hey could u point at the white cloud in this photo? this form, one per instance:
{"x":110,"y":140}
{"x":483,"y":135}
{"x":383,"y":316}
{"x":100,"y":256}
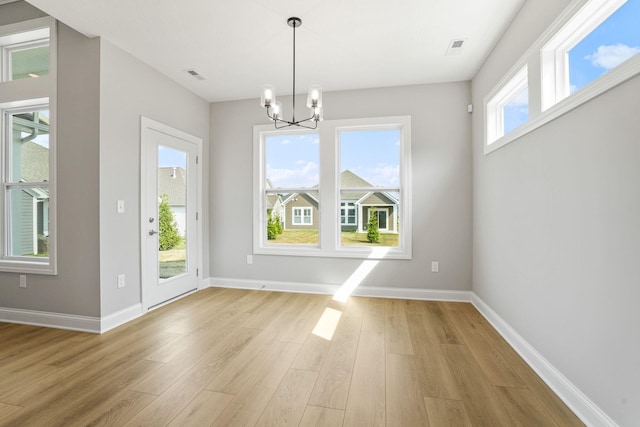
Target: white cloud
{"x":285,"y":141}
{"x":610,"y":56}
{"x":520,"y":99}
{"x":307,"y":175}
{"x":384,"y":175}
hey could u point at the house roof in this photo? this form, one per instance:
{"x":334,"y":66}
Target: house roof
{"x":173,"y":182}
{"x":348,"y":179}
{"x":35,"y":162}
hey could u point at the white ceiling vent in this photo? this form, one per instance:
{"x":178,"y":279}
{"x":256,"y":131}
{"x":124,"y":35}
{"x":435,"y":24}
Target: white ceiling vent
{"x":195,"y":74}
{"x":455,"y":47}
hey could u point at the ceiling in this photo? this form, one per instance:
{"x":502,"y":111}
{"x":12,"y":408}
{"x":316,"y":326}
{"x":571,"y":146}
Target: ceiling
{"x":238,"y":46}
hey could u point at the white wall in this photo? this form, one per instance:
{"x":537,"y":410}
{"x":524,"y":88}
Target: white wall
{"x":441,"y":190}
{"x":130,"y":89}
{"x":75,"y":290}
{"x":557,"y":230}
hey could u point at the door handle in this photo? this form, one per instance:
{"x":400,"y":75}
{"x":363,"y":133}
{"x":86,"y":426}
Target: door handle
{"x":152,"y":232}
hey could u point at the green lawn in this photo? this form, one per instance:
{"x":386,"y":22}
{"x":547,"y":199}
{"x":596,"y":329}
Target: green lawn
{"x":348,"y":238}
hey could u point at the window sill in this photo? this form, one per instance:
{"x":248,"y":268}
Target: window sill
{"x":615,"y":77}
{"x":366,"y":252}
{"x":28,"y":267}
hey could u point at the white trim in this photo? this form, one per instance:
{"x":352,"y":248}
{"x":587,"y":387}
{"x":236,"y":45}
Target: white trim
{"x":50,"y":320}
{"x":326,"y":289}
{"x":121,"y":317}
{"x":577,"y":401}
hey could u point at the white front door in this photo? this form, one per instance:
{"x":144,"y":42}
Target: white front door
{"x":169,"y":208}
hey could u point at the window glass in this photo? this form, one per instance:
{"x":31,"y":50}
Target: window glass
{"x":28,"y":222}
{"x":369,"y":187}
{"x":611,"y":43}
{"x":516,"y":111}
{"x":30,"y":61}
{"x":29,"y":146}
{"x":292,"y":188}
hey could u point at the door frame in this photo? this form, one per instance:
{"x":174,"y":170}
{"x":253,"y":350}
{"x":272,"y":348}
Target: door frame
{"x":146,"y":126}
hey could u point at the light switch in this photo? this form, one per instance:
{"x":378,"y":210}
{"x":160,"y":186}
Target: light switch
{"x":120,"y":206}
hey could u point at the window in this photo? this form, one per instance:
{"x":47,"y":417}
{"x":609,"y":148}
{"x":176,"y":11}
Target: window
{"x":509,"y":108}
{"x":27,"y":202}
{"x":302,"y":216}
{"x":325,"y":185}
{"x":599,"y":37}
{"x":590,"y":48}
{"x":348,"y":213}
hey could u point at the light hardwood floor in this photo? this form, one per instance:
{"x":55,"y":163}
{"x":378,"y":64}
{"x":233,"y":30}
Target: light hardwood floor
{"x":225,"y":357}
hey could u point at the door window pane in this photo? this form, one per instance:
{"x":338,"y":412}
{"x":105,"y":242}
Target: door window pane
{"x":172,"y":212}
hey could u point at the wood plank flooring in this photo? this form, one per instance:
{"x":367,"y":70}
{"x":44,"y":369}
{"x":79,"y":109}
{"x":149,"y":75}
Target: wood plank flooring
{"x":225,"y":357}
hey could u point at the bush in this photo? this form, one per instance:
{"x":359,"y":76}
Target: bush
{"x":274,"y":227}
{"x":373,"y":233}
{"x":168,"y":229}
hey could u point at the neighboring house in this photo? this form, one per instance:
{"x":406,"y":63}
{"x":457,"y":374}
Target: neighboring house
{"x":275,"y":207}
{"x":172,"y":182}
{"x":301,"y":209}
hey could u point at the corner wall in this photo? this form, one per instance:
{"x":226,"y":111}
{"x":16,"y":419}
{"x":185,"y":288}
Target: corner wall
{"x":130,"y":89}
{"x":557,"y":231}
{"x":441,"y":190}
{"x":76,"y":288}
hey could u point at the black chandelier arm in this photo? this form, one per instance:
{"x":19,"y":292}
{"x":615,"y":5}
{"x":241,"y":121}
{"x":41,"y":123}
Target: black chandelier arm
{"x":292,"y":123}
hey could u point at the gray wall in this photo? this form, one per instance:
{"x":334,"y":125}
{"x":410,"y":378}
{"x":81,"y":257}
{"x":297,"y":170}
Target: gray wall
{"x":75,"y":290}
{"x":130,"y":89}
{"x":557,"y":230}
{"x":441,"y":190}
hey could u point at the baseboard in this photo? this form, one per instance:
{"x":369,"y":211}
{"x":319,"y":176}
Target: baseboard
{"x":121,"y":317}
{"x":324,"y":289}
{"x":50,"y":320}
{"x":577,"y":401}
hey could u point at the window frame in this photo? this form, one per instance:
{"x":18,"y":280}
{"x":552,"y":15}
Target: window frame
{"x":24,"y":95}
{"x":548,"y":77}
{"x":328,"y":191}
{"x":504,"y":94}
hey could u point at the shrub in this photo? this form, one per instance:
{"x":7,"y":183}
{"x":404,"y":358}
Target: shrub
{"x":168,"y":229}
{"x":373,"y":233}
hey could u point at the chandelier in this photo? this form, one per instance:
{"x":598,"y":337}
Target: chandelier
{"x":314,"y":96}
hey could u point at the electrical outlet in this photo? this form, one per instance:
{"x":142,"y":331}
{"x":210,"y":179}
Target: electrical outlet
{"x":23,"y":280}
{"x":121,"y":280}
{"x":120,"y":206}
{"x":435,"y":266}
{"x":249,"y":259}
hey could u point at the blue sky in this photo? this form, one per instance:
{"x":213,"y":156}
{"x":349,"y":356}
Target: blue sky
{"x":294,"y":160}
{"x":613,"y":42}
{"x":169,"y":157}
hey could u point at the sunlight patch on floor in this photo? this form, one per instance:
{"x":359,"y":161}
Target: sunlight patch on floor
{"x":326,"y":326}
{"x":358,"y":276}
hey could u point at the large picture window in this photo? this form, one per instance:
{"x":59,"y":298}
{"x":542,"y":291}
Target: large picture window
{"x":323,"y":192}
{"x":27,"y":141}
